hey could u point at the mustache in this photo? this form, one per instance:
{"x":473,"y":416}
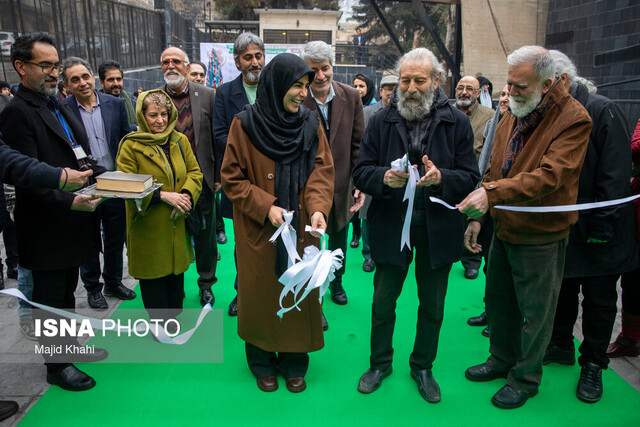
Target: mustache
{"x":172,"y":72}
{"x":255,"y":68}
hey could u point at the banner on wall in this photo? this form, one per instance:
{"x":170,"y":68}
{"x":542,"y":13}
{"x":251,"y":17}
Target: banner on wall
{"x":221,"y":67}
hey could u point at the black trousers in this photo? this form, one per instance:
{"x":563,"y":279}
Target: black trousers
{"x":219,"y":220}
{"x":166,"y":293}
{"x":432,"y":288}
{"x":54,"y":288}
{"x":631,"y":292}
{"x":264,"y":363}
{"x":338,"y":240}
{"x":205,"y":243}
{"x":8,"y":230}
{"x":598,"y":316}
{"x":113,"y":216}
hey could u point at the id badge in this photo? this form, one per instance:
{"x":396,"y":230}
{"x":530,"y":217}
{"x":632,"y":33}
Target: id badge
{"x":79,"y":152}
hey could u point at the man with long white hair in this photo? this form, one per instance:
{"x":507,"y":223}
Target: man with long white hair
{"x":537,"y":157}
{"x":439,"y":142}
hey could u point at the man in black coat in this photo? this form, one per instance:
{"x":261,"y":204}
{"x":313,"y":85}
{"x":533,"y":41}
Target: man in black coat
{"x":602,"y":242}
{"x":231,"y":97}
{"x":52,"y":242}
{"x":439,"y":141}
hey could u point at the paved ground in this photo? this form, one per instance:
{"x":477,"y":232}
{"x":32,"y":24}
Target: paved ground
{"x":25,"y":383}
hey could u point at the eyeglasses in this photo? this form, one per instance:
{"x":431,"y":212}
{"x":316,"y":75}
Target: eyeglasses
{"x":468,"y":88}
{"x":176,"y":62}
{"x":46,"y":67}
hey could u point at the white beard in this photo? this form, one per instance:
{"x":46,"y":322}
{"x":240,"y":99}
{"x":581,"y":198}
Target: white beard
{"x":520,"y":109}
{"x":252,"y":76}
{"x":464,"y":103}
{"x":173,"y":79}
{"x":48,"y":92}
{"x":411,"y":111}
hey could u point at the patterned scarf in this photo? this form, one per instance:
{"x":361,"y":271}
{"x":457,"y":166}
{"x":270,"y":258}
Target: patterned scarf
{"x":524,"y":125}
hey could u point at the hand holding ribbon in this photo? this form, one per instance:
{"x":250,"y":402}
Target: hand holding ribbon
{"x":399,"y":166}
{"x":287,"y":232}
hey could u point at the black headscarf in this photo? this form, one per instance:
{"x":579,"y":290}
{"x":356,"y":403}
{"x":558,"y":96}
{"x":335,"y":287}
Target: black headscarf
{"x":366,"y":99}
{"x":291,"y":140}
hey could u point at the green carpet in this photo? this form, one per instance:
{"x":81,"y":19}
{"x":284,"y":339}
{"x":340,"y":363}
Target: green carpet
{"x":226,"y":393}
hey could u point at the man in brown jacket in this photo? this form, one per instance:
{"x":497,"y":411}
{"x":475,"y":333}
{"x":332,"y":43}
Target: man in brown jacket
{"x":340,"y":111}
{"x":537,"y":157}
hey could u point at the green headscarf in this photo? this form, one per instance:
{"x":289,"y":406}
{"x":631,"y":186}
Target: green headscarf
{"x":144,"y":135}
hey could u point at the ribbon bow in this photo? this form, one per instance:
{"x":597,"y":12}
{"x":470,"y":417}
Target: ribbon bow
{"x":403,"y":165}
{"x":288,"y":235}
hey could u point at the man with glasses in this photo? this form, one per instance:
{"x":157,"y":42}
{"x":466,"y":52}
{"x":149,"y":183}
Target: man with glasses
{"x":467,"y":95}
{"x":194,"y":103}
{"x":52,"y":241}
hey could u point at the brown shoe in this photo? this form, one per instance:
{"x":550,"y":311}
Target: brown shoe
{"x":623,"y":347}
{"x":296,"y":384}
{"x":268,"y":384}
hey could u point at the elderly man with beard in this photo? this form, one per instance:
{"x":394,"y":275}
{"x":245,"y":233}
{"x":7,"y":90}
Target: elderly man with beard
{"x":195,"y":105}
{"x":231,"y":98}
{"x":439,"y":142}
{"x":537,"y":156}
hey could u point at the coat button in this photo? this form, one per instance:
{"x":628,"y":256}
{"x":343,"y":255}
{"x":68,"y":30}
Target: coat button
{"x":151,"y":155}
{"x":270,"y":176}
{"x":300,"y":207}
{"x":301,"y":239}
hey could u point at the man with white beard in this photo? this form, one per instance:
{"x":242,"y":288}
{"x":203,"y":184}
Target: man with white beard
{"x":439,"y":142}
{"x":195,"y":103}
{"x":537,"y":156}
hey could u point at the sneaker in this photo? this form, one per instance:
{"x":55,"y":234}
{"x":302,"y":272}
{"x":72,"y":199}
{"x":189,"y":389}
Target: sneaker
{"x":28,"y":329}
{"x":590,"y":384}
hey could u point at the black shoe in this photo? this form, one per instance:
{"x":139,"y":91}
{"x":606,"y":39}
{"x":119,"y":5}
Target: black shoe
{"x":338,"y":295}
{"x":325,"y":324}
{"x":556,"y":354}
{"x":590,"y":384}
{"x":96,"y":355}
{"x":485,"y":332}
{"x":71,"y":379}
{"x":96,"y":300}
{"x":355,"y":241}
{"x":233,"y":307}
{"x":369,"y":265}
{"x":222,"y":237}
{"x":427,"y":385}
{"x":478,"y":320}
{"x":206,"y":297}
{"x":7,"y":408}
{"x":371,"y":380}
{"x":218,"y":257}
{"x":12,"y":273}
{"x":510,"y":397}
{"x":483,"y":372}
{"x":471,"y":273}
{"x":119,"y":291}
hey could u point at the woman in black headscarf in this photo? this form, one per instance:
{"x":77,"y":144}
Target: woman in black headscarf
{"x":366,"y":87}
{"x":277,"y":159}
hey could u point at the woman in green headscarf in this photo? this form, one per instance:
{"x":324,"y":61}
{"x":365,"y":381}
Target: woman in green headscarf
{"x":158,"y":246}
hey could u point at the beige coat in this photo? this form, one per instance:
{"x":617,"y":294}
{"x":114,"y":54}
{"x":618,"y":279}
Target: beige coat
{"x":346,"y":131}
{"x":248,"y":179}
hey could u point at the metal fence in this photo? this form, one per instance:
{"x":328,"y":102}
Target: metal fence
{"x":97,"y":30}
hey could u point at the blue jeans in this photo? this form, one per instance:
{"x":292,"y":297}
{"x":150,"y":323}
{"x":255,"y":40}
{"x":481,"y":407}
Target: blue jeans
{"x":25,"y":285}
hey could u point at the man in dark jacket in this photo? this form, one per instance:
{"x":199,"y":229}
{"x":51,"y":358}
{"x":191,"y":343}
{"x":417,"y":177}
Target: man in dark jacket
{"x":601,"y":243}
{"x":537,"y":156}
{"x":231,"y":97}
{"x":439,"y":141}
{"x":52,"y":242}
{"x":105,"y":120}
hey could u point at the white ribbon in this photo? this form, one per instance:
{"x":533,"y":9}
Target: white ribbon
{"x":98,"y":324}
{"x":562,"y":208}
{"x":403,"y":165}
{"x":288,"y":234}
{"x":315,"y":270}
